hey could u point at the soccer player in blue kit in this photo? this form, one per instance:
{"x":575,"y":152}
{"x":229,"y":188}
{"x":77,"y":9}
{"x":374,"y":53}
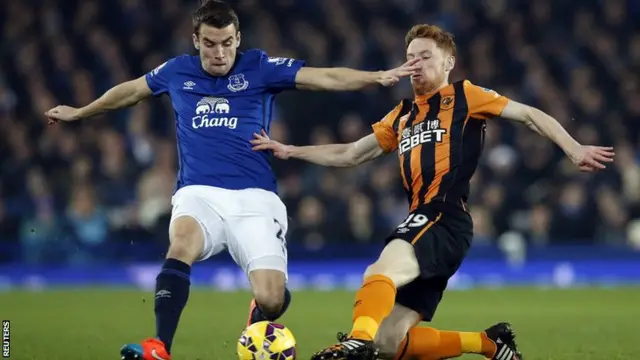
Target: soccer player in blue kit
{"x":225,"y":196}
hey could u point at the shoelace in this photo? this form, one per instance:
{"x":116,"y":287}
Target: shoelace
{"x":341,"y":337}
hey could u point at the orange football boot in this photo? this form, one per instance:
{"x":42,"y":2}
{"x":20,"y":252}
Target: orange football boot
{"x":148,"y":349}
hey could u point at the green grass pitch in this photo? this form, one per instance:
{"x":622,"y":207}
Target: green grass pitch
{"x":79,"y":324}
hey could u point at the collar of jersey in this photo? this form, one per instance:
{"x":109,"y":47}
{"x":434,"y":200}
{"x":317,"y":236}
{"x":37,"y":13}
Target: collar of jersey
{"x":423,"y":99}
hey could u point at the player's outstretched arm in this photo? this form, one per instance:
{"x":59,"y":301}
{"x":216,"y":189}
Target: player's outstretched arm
{"x":120,"y":96}
{"x":587,"y":158}
{"x":335,"y":155}
{"x":345,"y":79}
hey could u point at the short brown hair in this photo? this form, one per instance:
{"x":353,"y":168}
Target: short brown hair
{"x":443,"y":39}
{"x":215,"y":13}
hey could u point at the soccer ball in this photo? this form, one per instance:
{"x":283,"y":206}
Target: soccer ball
{"x":266,"y":341}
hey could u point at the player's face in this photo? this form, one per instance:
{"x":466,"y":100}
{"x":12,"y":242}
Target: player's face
{"x":435,"y":62}
{"x":217,"y":48}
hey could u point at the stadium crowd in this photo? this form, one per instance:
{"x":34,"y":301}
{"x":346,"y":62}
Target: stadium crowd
{"x":82,"y":186}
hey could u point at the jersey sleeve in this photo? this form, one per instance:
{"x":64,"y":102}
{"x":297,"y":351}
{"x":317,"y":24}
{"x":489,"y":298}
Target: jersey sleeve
{"x":484,"y":104}
{"x":383,"y":129}
{"x":279,"y":72}
{"x":158,"y":78}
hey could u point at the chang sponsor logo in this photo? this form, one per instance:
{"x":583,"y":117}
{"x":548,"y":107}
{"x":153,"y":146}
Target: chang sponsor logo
{"x":211,"y":111}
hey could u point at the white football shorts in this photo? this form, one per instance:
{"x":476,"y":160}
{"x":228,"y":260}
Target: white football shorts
{"x":250,"y":223}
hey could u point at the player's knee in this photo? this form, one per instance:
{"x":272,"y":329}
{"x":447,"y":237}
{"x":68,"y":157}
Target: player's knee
{"x":390,"y":271}
{"x":268,"y":290}
{"x":270,"y":300}
{"x":187,"y":239}
{"x":398,"y":262}
{"x":394,"y":329}
{"x":388,"y":340}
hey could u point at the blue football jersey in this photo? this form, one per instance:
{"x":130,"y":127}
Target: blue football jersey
{"x":216,"y":117}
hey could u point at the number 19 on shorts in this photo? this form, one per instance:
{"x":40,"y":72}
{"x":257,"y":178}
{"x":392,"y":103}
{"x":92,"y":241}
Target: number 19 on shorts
{"x":414,"y":221}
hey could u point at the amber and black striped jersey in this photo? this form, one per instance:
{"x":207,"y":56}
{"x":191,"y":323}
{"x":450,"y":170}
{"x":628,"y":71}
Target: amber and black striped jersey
{"x":439,"y":139}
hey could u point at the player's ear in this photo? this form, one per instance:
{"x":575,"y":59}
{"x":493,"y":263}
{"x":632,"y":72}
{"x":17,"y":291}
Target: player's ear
{"x":449,"y":63}
{"x":196,"y":43}
{"x":238,"y":38}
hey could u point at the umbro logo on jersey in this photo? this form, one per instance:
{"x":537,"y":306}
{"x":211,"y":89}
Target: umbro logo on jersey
{"x":188,"y":85}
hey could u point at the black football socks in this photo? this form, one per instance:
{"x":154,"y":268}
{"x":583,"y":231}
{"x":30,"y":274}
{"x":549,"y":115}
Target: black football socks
{"x":172,"y":293}
{"x":258,"y":314}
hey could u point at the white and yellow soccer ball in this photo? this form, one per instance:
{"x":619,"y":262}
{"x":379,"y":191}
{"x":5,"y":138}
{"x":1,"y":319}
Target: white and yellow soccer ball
{"x":266,"y":341}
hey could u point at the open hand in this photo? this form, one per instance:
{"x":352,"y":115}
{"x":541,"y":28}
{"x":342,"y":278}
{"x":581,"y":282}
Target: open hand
{"x":62,"y":113}
{"x":391,"y":77}
{"x":263,"y":142}
{"x":592,"y":158}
